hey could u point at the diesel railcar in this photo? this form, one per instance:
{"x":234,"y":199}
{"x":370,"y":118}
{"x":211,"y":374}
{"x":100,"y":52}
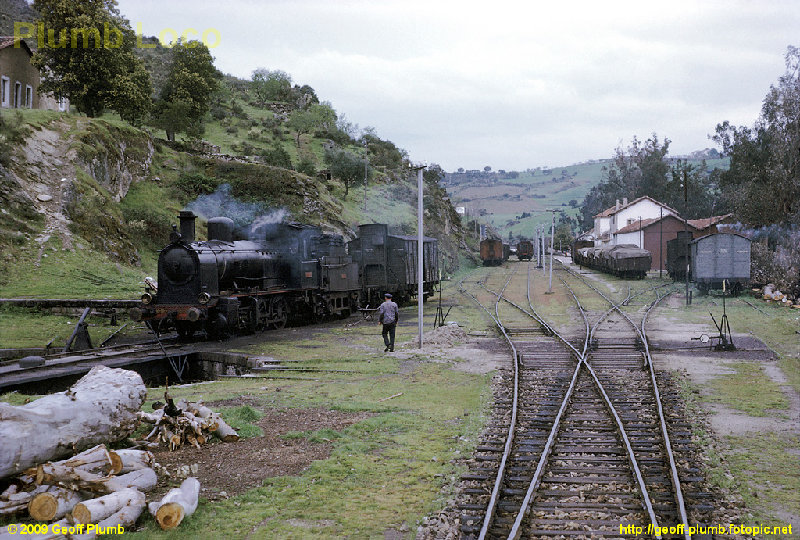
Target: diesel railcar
{"x":525,"y":250}
{"x":388,"y":263}
{"x":718,"y":258}
{"x":492,"y":252}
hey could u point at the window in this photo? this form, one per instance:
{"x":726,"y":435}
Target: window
{"x":17,"y":94}
{"x":28,"y":97}
{"x":4,"y":86}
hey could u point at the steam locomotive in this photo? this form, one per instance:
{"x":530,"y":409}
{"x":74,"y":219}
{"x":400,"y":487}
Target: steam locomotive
{"x":282,"y":273}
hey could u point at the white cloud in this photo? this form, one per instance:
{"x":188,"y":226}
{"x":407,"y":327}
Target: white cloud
{"x":509,"y":84}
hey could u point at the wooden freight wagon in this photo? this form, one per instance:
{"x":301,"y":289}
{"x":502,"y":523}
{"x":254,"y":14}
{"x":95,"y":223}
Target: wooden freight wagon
{"x":720,"y":257}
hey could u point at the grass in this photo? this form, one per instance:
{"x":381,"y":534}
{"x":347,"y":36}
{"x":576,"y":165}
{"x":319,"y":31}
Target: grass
{"x":80,"y":273}
{"x":26,"y":328}
{"x":765,"y":469}
{"x":387,"y":471}
{"x":748,"y":390}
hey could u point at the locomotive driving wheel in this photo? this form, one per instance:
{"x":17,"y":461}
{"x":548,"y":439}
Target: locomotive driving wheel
{"x":279,"y":313}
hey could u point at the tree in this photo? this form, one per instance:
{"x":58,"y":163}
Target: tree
{"x":318,"y":116}
{"x":88,"y":57}
{"x":186,"y":96}
{"x":272,"y":85}
{"x":346,"y":166}
{"x":763,"y":181}
{"x":641,"y":171}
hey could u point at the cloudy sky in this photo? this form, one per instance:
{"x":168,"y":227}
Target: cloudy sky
{"x":509,"y":84}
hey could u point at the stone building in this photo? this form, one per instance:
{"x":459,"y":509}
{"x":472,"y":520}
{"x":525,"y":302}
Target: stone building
{"x":19,"y":80}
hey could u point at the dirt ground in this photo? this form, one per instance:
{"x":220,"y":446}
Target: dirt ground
{"x":227,"y":469}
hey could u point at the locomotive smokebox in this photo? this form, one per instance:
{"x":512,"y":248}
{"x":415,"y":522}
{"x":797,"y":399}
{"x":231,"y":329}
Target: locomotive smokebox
{"x":187,"y":218}
{"x":220,"y":228}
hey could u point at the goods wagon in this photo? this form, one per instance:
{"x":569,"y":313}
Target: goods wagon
{"x":388,"y":263}
{"x":718,"y":258}
{"x":677,"y":260}
{"x":624,"y":260}
{"x":492,"y":252}
{"x":525,"y":250}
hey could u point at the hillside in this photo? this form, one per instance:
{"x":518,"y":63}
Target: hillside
{"x":517,"y":202}
{"x":86,"y":203}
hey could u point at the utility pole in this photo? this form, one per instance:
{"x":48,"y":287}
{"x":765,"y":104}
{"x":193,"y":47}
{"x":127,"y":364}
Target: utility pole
{"x":660,"y":241}
{"x":552,"y":246}
{"x":686,"y":229}
{"x":366,"y":170}
{"x":420,"y":252}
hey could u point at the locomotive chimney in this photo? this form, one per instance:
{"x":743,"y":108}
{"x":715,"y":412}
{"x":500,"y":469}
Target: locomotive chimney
{"x":187,"y":218}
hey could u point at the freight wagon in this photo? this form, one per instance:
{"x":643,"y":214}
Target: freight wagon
{"x":718,"y":258}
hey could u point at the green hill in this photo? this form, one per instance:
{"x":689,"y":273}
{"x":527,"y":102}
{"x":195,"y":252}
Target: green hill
{"x":518,"y":202}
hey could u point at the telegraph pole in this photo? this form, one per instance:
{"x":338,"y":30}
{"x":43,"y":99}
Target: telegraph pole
{"x":686,"y":229}
{"x":420,"y":252}
{"x":366,"y":169}
{"x":552,"y":247}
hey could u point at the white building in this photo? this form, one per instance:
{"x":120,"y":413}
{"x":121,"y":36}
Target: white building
{"x":609,"y":221}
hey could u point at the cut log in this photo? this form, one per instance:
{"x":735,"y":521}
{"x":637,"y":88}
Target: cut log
{"x":101,"y":407}
{"x":74,"y":479}
{"x":55,"y":503}
{"x":133,"y":460}
{"x":151,"y":418}
{"x":176,"y":505}
{"x":19,"y":500}
{"x":126,"y":518}
{"x":225,"y":432}
{"x":96,"y":460}
{"x":96,"y":510}
{"x":141,"y":479}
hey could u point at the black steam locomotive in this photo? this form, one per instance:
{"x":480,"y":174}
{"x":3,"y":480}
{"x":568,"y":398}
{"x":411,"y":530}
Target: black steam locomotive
{"x":282,"y":273}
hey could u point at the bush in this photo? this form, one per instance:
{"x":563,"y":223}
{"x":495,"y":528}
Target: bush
{"x":195,"y":183}
{"x":307,"y":166}
{"x":277,"y":156}
{"x":12,"y":133}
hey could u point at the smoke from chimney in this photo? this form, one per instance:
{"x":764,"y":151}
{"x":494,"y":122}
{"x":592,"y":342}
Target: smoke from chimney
{"x":247,"y":217}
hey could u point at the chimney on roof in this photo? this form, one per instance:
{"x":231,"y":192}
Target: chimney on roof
{"x":617,"y":204}
{"x":624,"y":201}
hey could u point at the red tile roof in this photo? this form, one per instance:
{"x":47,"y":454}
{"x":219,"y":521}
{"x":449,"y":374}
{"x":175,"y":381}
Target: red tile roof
{"x":645,"y":223}
{"x":705,"y":223}
{"x":9,"y":41}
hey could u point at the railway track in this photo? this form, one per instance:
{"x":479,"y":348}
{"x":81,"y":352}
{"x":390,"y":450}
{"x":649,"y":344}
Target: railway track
{"x":75,"y":364}
{"x":579,"y":444}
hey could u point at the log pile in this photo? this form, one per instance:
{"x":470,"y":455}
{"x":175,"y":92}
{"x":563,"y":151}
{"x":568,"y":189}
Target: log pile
{"x":94,"y":490}
{"x":186,"y":423}
{"x":101,"y":407}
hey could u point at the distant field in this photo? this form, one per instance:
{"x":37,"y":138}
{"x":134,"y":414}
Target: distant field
{"x":504,"y":199}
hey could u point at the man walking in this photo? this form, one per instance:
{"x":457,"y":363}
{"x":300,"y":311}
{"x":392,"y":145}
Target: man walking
{"x":388,"y":316}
